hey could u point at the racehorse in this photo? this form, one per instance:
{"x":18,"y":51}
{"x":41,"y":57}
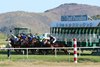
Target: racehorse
{"x":18,"y":42}
{"x":14,"y":43}
{"x":35,"y":44}
{"x":54,"y":45}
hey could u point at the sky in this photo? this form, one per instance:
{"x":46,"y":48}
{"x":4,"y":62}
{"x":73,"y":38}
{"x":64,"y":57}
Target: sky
{"x":38,"y":5}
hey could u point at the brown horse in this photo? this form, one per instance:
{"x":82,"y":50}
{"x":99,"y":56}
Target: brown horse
{"x":14,"y":44}
{"x":55,"y":45}
{"x":35,"y":44}
{"x":20,"y":43}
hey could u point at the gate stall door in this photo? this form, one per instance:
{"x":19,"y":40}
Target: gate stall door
{"x":98,"y":37}
{"x":83,"y":43}
{"x":94,"y":37}
{"x":90,"y":37}
{"x":57,"y":34}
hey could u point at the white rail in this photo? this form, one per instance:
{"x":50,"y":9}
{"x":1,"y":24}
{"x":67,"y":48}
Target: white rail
{"x":55,"y":49}
{"x":51,"y":48}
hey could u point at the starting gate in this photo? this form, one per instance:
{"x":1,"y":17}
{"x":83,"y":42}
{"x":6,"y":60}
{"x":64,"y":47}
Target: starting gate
{"x":87,"y":32}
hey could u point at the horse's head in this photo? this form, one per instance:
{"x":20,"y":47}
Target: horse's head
{"x":34,"y":40}
{"x":47,"y":43}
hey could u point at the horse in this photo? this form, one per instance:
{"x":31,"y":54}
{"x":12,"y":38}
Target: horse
{"x":35,"y":44}
{"x":55,"y":45}
{"x":18,"y":42}
{"x":14,"y":43}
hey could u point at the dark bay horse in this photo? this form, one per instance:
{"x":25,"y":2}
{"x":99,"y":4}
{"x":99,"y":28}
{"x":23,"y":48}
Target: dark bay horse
{"x":36,"y":43}
{"x":14,"y":44}
{"x":55,"y":45}
{"x":18,"y":42}
{"x":24,"y":43}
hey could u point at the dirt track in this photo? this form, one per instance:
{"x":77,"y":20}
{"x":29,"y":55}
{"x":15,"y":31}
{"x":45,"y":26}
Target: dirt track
{"x":47,"y":64}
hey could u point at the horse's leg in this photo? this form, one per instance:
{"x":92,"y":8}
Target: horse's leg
{"x":33,"y":51}
{"x":65,"y":51}
{"x":53,"y":51}
{"x":42,"y":51}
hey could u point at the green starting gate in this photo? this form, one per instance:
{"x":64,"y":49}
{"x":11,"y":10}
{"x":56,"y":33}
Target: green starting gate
{"x":21,"y":30}
{"x":87,"y":32}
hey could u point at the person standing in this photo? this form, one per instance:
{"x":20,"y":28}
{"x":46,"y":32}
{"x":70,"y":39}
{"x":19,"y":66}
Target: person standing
{"x":8,"y":50}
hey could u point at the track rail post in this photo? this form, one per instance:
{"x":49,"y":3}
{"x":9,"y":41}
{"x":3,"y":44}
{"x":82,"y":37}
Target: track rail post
{"x":75,"y":50}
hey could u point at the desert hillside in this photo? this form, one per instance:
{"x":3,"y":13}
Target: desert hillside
{"x":40,"y":22}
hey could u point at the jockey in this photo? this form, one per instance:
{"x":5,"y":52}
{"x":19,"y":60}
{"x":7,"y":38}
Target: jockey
{"x":37,"y":36}
{"x":52,"y":39}
{"x":23,"y":36}
{"x":30,"y":36}
{"x":15,"y":38}
{"x":41,"y":38}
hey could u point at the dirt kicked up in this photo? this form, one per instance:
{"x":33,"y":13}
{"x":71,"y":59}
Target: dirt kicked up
{"x":46,"y":64}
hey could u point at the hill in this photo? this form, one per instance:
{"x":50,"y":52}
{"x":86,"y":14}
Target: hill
{"x":74,"y":9}
{"x":40,"y":22}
